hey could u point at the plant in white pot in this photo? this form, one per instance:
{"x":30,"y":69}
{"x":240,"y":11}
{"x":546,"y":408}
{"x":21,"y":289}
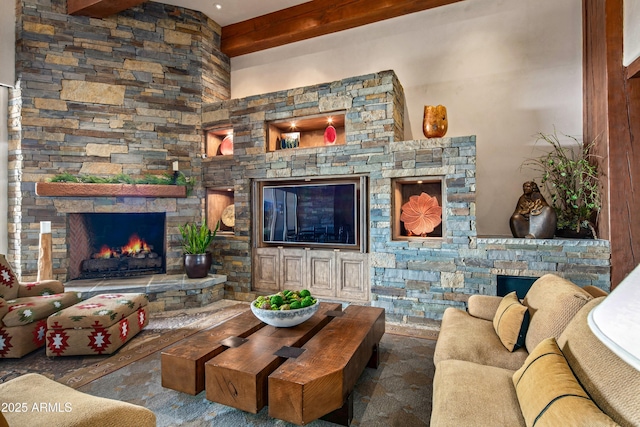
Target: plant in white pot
{"x":195,"y":242}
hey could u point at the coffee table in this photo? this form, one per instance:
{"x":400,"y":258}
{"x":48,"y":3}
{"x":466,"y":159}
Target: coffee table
{"x":302,"y":373}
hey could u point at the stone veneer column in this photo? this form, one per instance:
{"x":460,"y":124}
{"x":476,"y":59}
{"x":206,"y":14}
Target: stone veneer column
{"x":374,"y":117}
{"x":104,"y":97}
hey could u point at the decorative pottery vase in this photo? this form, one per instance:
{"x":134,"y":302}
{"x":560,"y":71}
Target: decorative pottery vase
{"x":197,"y":265}
{"x":226,"y":146}
{"x":570,"y":233}
{"x":330,"y":135}
{"x":435,"y":122}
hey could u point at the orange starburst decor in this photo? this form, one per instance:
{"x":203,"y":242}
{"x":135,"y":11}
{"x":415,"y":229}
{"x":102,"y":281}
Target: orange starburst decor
{"x":421,"y":214}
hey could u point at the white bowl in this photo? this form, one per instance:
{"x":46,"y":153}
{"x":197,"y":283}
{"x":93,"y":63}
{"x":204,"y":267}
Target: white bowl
{"x":285,"y":318}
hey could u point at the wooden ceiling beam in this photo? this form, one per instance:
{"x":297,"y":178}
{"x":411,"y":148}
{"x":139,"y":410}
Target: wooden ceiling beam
{"x":99,"y":8}
{"x":633,"y":70}
{"x":313,"y":19}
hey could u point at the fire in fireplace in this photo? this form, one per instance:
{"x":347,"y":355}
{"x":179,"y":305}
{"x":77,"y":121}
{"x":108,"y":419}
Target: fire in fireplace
{"x":116,"y":244}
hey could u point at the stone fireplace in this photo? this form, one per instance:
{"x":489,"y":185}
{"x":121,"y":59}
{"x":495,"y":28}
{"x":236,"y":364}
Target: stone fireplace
{"x":117,"y":96}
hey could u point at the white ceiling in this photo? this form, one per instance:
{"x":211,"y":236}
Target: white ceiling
{"x":233,"y":11}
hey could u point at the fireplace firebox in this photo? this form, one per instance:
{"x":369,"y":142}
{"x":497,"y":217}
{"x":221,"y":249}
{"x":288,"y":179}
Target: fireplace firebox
{"x":111,"y":245}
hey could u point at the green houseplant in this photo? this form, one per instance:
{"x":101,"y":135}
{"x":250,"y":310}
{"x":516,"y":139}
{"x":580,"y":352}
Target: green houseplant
{"x":570,"y":177}
{"x":195,"y":242}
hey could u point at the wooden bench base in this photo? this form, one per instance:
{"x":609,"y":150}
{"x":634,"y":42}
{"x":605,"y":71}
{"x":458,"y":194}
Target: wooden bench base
{"x":320,"y":380}
{"x":238,"y":377}
{"x":183,"y":364}
{"x":303,"y":373}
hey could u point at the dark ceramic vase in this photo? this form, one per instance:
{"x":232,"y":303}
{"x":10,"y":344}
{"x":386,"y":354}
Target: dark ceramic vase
{"x":197,"y":265}
{"x":570,"y":233}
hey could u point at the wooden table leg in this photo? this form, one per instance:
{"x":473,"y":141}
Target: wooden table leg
{"x":342,"y":415}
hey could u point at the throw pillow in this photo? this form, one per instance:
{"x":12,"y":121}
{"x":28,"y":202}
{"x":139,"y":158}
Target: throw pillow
{"x":550,"y":395}
{"x":8,"y":280}
{"x":511,"y":322}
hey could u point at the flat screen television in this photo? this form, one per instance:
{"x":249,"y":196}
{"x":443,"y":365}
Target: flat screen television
{"x":327,"y":212}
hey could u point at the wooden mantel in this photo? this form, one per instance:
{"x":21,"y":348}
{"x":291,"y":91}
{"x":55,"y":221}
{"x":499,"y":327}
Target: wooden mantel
{"x":72,"y":189}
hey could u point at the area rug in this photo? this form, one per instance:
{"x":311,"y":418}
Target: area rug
{"x":397,"y":393}
{"x":164,"y":329}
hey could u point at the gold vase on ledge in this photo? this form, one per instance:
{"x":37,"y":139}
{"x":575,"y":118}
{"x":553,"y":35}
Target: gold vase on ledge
{"x":435,"y":122}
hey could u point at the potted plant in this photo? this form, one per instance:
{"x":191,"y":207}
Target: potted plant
{"x":195,"y":242}
{"x":570,"y":177}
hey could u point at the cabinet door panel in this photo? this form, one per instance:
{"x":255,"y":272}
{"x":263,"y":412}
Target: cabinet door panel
{"x":267,"y":269}
{"x":320,"y":273}
{"x":293,"y":271}
{"x":352,"y":276}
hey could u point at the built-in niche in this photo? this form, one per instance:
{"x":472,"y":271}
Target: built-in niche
{"x":418,"y":208}
{"x":305,"y":132}
{"x":220,"y":207}
{"x":218,"y":141}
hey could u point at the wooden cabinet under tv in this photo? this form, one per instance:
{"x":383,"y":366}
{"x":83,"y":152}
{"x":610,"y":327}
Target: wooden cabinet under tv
{"x":325,"y":273}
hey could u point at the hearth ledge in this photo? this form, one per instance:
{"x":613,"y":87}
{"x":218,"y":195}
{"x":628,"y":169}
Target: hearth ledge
{"x":166,"y":291}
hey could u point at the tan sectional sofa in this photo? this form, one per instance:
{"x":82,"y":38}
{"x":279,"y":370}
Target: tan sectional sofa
{"x":475,"y":385}
{"x":35,"y":400}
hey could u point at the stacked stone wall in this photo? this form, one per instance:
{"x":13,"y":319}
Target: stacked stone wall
{"x":414,"y":279}
{"x":120,"y":95}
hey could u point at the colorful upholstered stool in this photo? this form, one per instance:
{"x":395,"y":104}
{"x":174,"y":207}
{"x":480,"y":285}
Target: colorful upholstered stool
{"x":99,"y":325}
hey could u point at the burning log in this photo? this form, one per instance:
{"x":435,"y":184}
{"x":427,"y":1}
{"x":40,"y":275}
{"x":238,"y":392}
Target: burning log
{"x":134,"y":256}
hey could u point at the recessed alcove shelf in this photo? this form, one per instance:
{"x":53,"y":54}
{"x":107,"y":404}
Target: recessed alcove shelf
{"x":214,"y":138}
{"x":219,"y":199}
{"x":311,"y":131}
{"x":402,"y":190}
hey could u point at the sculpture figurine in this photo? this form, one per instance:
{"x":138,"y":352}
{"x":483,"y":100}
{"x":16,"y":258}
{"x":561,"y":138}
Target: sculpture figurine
{"x":533,"y":217}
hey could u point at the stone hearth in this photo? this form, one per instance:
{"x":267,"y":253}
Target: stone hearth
{"x":165,"y":291}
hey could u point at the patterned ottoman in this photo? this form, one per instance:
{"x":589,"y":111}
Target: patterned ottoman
{"x":99,"y":325}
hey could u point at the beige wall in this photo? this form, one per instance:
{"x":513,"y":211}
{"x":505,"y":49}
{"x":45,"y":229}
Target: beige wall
{"x":7,"y":42}
{"x":504,"y":69}
{"x":631,"y":31}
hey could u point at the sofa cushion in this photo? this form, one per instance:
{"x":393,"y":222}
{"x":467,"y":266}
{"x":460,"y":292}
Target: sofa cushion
{"x":4,"y":309}
{"x":26,"y":310}
{"x":70,"y":407}
{"x":549,"y":394}
{"x":612,"y":383}
{"x":99,"y":311}
{"x":483,"y":306}
{"x":468,"y":394}
{"x":552,"y":303}
{"x":464,"y":337}
{"x":511,"y":321}
{"x":8,"y":280}
{"x":42,"y":287}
